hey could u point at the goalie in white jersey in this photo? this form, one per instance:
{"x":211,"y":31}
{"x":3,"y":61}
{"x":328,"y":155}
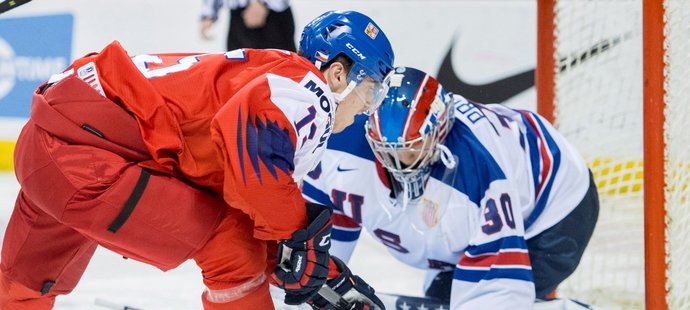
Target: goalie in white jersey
{"x":494,"y":202}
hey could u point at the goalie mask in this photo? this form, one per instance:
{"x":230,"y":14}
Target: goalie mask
{"x":407,"y":130}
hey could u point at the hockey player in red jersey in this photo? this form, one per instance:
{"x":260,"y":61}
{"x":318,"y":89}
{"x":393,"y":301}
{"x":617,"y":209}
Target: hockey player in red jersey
{"x":167,"y":157}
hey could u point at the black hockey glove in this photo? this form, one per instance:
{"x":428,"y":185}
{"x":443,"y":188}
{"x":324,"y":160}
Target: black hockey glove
{"x":303,"y":260}
{"x":354,"y":292}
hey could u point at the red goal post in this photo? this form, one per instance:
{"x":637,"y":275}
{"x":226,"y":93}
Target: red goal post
{"x":654,"y":150}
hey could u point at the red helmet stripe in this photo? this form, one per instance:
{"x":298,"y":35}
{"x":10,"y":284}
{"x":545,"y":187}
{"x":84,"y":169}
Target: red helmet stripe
{"x":428,"y":93}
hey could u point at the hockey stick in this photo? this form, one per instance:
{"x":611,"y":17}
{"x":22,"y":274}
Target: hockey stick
{"x":6,"y":5}
{"x":390,"y":301}
{"x":396,"y":302}
{"x":112,"y":305}
{"x":393,"y":301}
{"x":333,"y":298}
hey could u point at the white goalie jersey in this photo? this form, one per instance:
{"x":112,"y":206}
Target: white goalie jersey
{"x":515,"y":177}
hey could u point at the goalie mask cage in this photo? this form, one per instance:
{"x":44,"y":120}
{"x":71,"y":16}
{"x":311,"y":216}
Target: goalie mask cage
{"x":615,"y":78}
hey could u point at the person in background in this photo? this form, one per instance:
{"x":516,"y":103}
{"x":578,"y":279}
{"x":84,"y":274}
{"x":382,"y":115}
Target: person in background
{"x":493,"y":202}
{"x":167,"y":157}
{"x":253,"y":23}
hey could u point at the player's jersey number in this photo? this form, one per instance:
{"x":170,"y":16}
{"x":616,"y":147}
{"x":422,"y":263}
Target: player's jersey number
{"x":388,"y":239}
{"x":156,"y":65}
{"x":355,"y":201}
{"x":492,"y":214}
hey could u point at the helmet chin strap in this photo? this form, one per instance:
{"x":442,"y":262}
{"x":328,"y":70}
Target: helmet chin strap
{"x":446,"y":156}
{"x":406,"y":197}
{"x":339,"y":97}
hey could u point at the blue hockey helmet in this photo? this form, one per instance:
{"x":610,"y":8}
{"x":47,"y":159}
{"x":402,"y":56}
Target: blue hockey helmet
{"x":354,"y":35}
{"x":407,"y":130}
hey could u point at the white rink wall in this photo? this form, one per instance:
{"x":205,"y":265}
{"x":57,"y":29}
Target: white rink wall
{"x":492,"y":39}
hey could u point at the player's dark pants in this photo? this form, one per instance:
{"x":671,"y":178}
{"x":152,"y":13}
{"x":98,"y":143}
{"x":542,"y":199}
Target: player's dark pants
{"x":554,"y":253}
{"x":278,"y":32}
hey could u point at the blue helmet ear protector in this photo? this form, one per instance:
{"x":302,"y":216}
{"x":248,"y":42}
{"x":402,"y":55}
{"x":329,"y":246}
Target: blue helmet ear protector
{"x":356,"y":36}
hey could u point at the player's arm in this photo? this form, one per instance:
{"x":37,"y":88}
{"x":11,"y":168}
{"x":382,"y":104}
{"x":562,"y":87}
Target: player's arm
{"x":263,"y":133}
{"x":494,"y":270}
{"x":344,"y":237}
{"x":346,"y":231}
{"x":263,"y":151}
{"x":210,"y":8}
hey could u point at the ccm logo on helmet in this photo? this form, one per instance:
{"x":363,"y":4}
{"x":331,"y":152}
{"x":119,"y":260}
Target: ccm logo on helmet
{"x":355,"y":50}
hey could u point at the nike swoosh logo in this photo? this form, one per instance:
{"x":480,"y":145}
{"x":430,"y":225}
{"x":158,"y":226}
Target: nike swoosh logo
{"x":493,"y":92}
{"x":344,"y":169}
{"x":503,"y":89}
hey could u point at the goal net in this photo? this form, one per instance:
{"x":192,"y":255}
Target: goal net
{"x":590,"y":77}
{"x":677,"y":151}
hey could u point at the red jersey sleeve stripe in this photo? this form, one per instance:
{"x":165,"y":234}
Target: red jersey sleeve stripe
{"x":496,"y":259}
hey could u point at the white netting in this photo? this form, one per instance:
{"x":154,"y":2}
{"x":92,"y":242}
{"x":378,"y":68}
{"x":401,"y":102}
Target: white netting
{"x":598,"y":107}
{"x":677,"y":140}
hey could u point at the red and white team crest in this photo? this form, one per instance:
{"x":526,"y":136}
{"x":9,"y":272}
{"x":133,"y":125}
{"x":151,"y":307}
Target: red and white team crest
{"x":427,"y":213}
{"x":371,"y":31}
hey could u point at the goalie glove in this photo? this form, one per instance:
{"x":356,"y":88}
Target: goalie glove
{"x":355,"y":293}
{"x":303,"y":260}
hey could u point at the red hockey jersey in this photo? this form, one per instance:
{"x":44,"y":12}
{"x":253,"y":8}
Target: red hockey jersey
{"x":246,"y":123}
